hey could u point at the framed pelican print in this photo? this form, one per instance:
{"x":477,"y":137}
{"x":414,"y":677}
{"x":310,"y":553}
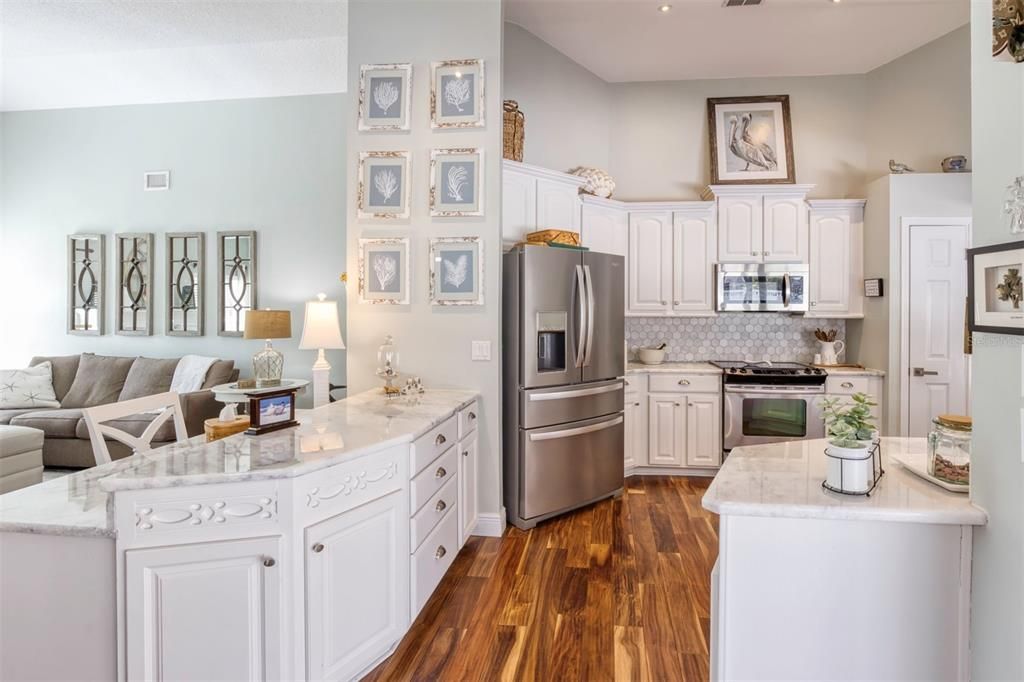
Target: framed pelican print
{"x":751,"y":140}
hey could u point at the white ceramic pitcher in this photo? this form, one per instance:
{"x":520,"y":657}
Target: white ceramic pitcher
{"x":830,"y":351}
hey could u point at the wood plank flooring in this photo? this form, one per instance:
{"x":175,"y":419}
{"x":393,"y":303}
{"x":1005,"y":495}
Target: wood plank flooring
{"x":617,"y":591}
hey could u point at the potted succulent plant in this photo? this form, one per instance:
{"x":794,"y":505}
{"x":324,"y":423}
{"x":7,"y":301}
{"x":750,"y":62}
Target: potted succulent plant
{"x":851,"y":434}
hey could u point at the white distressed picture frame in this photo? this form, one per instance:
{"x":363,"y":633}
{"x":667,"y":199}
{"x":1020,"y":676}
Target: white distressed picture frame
{"x":384,"y":96}
{"x":449,"y":271}
{"x":374,"y":287}
{"x":447,"y":168}
{"x":371,"y":187}
{"x":447,"y":99}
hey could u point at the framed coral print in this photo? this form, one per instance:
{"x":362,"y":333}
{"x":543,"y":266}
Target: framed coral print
{"x":751,"y":140}
{"x":383,"y":191}
{"x":457,"y":94}
{"x":995,"y":289}
{"x":455,"y":182}
{"x":456,"y":271}
{"x":384,"y":271}
{"x":385,"y":92}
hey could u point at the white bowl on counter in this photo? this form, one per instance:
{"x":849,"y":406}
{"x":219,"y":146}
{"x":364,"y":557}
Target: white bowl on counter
{"x":650,"y":356}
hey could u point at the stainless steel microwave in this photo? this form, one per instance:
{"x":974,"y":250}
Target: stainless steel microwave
{"x":762,"y":287}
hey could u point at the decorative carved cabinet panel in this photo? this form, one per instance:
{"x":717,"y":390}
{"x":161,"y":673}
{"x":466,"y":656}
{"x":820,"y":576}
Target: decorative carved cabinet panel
{"x":86,"y":258}
{"x":186,"y":286}
{"x":134,"y":280}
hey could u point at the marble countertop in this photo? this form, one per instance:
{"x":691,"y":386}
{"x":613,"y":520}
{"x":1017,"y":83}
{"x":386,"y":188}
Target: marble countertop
{"x":853,"y":372}
{"x":784,"y":480}
{"x":684,"y":367}
{"x":77,"y":504}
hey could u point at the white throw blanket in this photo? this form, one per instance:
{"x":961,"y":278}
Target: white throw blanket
{"x":190,"y":373}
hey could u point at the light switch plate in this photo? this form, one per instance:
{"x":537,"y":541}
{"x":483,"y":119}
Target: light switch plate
{"x":481,"y":350}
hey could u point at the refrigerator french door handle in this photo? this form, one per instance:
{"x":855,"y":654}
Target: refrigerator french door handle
{"x":581,"y":287}
{"x":579,"y":431}
{"x":589,"y":280}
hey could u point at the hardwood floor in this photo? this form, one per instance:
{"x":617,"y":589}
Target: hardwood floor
{"x":617,"y":591}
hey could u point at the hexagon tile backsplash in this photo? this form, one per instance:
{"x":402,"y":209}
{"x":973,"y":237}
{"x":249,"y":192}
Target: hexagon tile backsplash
{"x":732,"y":336}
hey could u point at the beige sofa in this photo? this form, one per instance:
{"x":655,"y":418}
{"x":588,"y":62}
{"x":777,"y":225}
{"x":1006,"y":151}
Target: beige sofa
{"x":88,"y":380}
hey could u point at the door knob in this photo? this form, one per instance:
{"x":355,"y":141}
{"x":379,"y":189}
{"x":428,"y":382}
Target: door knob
{"x":922,"y":372}
{"x":318,"y":547}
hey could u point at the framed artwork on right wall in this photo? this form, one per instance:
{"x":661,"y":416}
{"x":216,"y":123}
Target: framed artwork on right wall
{"x":995,"y":288}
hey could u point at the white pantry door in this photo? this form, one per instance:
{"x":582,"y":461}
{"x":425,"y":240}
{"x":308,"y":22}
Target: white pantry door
{"x":937,"y":287}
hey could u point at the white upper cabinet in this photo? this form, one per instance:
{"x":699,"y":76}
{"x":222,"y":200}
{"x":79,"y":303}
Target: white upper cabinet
{"x":604,"y":225}
{"x":650,"y":263}
{"x":761,"y":223}
{"x":693,"y":262}
{"x":535,"y":198}
{"x":785,"y":229}
{"x":836,"y":258}
{"x":740,"y":226}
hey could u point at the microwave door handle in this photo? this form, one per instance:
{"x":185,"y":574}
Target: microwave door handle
{"x":785,"y":289}
{"x":589,"y":280}
{"x":581,"y":288}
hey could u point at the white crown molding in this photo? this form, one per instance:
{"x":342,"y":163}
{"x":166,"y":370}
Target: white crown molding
{"x":540,"y":172}
{"x":733,"y":190}
{"x":836,"y":204}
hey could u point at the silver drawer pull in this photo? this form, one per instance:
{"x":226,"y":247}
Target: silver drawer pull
{"x":684,"y":382}
{"x":440,"y":473}
{"x":440,"y":440}
{"x":318,"y":547}
{"x":441,"y":551}
{"x":269,"y":562}
{"x":847,"y":384}
{"x":441,"y":506}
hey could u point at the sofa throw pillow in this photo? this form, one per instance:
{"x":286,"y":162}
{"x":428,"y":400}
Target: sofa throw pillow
{"x":99,"y":381}
{"x":148,"y":376}
{"x":27,"y":388}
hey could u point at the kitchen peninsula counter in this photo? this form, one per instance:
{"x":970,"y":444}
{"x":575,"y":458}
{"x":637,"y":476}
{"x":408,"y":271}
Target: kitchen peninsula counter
{"x":868,"y":587}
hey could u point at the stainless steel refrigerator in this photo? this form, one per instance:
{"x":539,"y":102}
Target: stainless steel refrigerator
{"x":563,"y":358}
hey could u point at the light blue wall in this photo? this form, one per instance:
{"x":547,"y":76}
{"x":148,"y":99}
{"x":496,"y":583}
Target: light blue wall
{"x":273,"y":165}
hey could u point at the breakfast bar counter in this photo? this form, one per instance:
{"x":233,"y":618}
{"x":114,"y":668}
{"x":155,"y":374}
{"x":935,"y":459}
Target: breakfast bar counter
{"x":867,"y":587}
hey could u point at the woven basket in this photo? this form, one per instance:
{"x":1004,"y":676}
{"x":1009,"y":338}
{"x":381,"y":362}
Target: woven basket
{"x":556,"y":236}
{"x":513,"y":131}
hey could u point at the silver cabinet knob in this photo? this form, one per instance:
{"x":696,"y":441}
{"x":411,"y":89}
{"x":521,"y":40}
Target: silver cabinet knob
{"x":847,"y":384}
{"x":814,"y":303}
{"x":465,"y":453}
{"x":753,"y":253}
{"x":636,"y":404}
{"x":441,"y":506}
{"x":677,"y":404}
{"x":440,"y":440}
{"x":269,"y":562}
{"x":318,"y":547}
{"x":441,"y":551}
{"x":440,"y":473}
{"x":664,"y":302}
{"x":472,"y":416}
{"x":675,"y":303}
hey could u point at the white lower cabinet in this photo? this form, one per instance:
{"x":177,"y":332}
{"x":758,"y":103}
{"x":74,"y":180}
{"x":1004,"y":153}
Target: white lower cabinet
{"x":673,"y":421}
{"x":703,"y":430}
{"x":356,"y":582}
{"x":635,"y":432}
{"x":432,"y":559}
{"x":667,"y":441}
{"x":204,"y":611}
{"x":469,"y":501}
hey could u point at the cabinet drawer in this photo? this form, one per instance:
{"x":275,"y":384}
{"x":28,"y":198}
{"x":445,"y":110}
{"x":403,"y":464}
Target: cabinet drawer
{"x":685,"y":383}
{"x":426,"y":483}
{"x":427,"y":447}
{"x":432,"y":559}
{"x":468,"y":417}
{"x":846,"y":385}
{"x":443,"y":502}
{"x":636,"y":383}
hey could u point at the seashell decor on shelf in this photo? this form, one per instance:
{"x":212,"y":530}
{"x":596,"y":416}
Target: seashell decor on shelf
{"x":599,"y":183}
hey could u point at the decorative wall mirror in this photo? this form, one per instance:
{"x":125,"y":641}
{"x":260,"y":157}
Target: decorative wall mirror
{"x":236,"y":280}
{"x":186,"y":260}
{"x":85,"y":283}
{"x":134,"y":284}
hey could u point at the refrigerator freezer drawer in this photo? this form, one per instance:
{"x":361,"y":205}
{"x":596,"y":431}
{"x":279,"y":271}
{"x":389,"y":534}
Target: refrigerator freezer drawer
{"x":568,"y":465}
{"x":563,"y":404}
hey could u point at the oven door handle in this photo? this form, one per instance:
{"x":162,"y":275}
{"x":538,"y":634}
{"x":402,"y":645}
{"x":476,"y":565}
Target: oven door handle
{"x":742,"y":392}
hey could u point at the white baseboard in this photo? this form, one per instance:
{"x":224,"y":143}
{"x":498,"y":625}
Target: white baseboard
{"x":490,"y":525}
{"x":671,"y":471}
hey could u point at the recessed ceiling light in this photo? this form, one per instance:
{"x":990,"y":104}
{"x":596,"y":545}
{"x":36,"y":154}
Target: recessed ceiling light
{"x":664,"y":8}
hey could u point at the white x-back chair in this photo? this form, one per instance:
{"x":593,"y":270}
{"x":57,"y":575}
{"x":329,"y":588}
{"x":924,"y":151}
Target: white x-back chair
{"x":96,"y":416}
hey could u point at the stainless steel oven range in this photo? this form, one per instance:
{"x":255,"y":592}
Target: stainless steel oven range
{"x":770,"y":402}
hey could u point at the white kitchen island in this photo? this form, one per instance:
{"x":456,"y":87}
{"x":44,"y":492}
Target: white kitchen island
{"x":814,"y":585}
{"x":300,"y":554}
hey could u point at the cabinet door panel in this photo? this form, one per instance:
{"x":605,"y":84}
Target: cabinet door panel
{"x":650,"y":262}
{"x":830,"y":264}
{"x":635,"y":432}
{"x":518,"y":206}
{"x":357,"y":587}
{"x":667,"y":419}
{"x":740,"y":227}
{"x":605,"y":229}
{"x":204,"y":611}
{"x":693,"y":243}
{"x":703,"y":430}
{"x":558,"y":206}
{"x":469,"y":503}
{"x":785,"y":230}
